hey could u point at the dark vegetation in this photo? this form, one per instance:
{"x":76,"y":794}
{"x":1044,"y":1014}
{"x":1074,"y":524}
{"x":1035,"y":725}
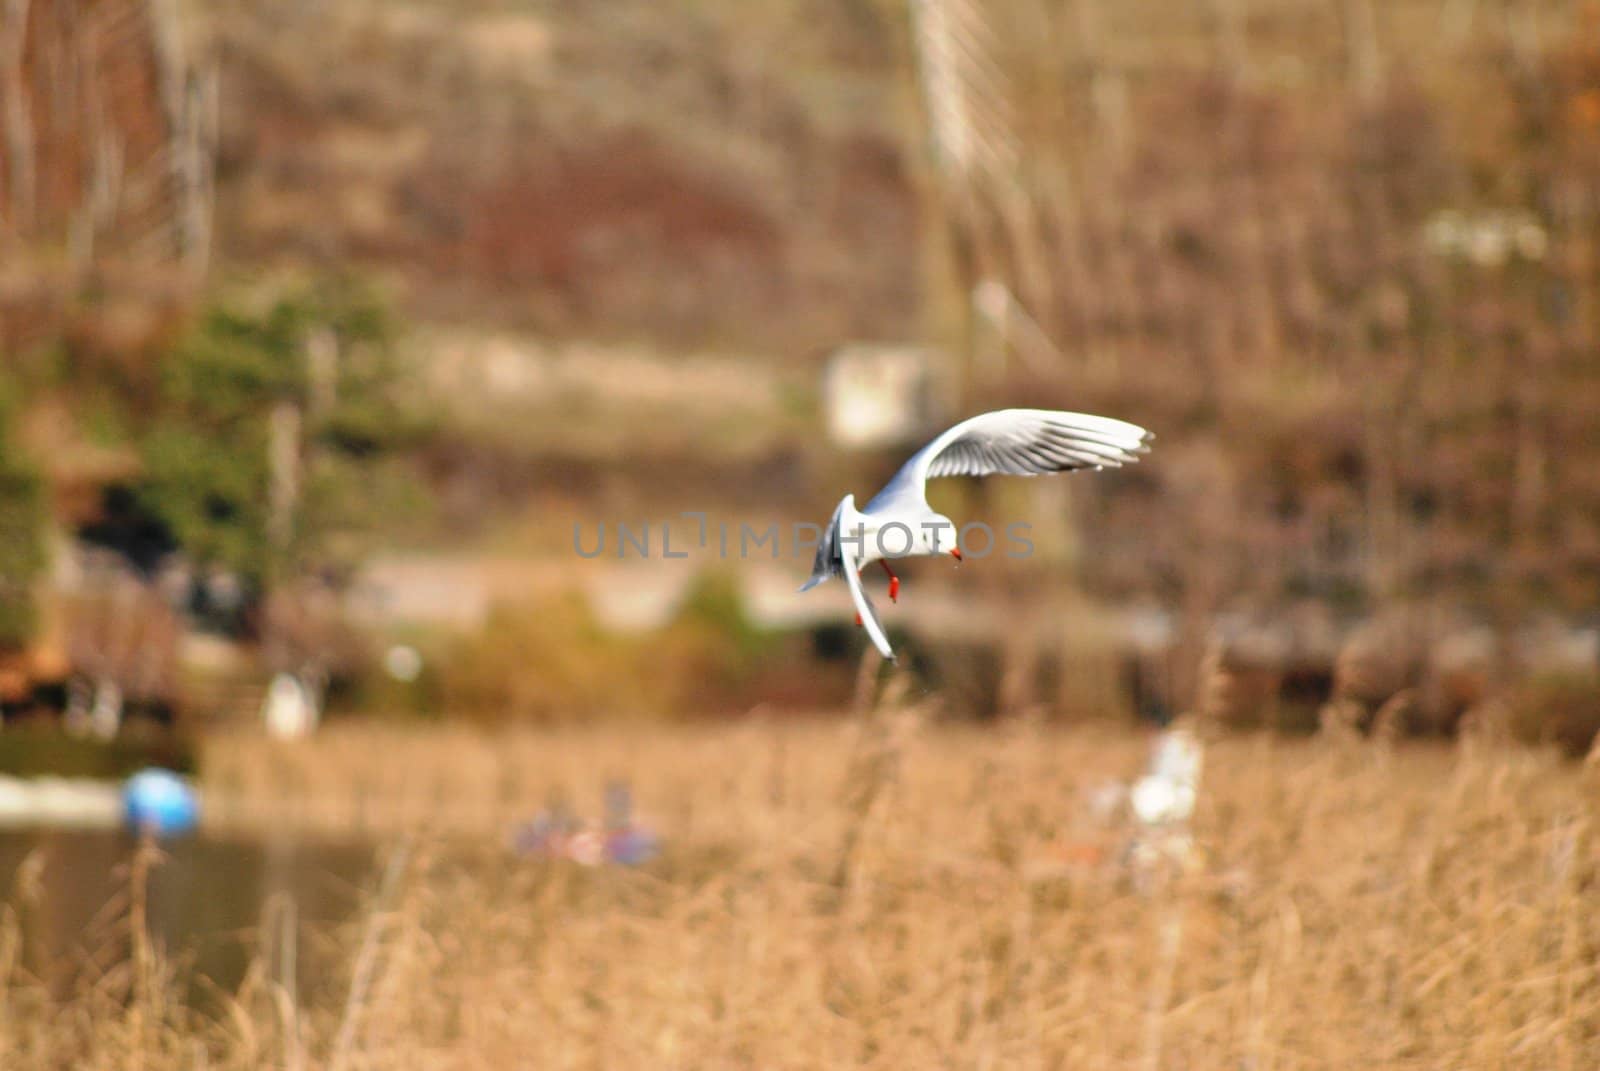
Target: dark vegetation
{"x":207,"y":450}
{"x":22,"y":520}
{"x":197,"y":426}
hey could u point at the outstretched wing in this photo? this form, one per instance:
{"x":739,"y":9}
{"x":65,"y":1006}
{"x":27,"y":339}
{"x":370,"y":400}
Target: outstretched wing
{"x":1019,"y":442}
{"x":864,"y":607}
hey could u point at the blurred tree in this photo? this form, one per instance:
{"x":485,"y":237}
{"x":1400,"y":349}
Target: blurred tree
{"x":272,"y":449}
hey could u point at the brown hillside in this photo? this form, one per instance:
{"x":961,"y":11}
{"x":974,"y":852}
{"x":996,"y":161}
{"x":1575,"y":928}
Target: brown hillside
{"x":693,"y":175}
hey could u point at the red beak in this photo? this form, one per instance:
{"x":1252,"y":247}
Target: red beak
{"x":955,"y":552}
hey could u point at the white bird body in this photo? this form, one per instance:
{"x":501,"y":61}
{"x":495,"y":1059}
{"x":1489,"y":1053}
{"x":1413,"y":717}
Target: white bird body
{"x":886,"y":533}
{"x":899,"y":523}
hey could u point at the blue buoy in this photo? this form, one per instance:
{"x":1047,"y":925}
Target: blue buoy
{"x":160,"y":802}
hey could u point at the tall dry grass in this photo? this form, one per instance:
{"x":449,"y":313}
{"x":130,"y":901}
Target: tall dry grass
{"x":896,"y":895}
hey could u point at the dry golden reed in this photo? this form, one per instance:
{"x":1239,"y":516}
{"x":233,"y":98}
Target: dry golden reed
{"x":895,"y":895}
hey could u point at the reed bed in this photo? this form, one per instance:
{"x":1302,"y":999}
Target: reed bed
{"x":888,"y":893}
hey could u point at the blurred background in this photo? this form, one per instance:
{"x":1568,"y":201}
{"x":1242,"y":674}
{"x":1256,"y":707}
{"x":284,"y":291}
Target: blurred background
{"x":327,"y":327}
{"x":407,"y":408}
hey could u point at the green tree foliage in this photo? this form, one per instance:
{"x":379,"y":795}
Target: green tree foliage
{"x":23,"y":513}
{"x":208,"y":473}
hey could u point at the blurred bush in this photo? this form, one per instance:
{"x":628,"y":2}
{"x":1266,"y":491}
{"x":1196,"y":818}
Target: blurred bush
{"x":552,"y":663}
{"x":22,"y":546}
{"x":1561,"y":709}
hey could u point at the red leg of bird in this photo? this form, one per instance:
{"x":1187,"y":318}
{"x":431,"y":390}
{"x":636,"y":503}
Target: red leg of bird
{"x":894,"y":581}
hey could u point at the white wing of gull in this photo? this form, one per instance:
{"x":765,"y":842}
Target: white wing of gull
{"x":1016,"y":442}
{"x":869,"y":613}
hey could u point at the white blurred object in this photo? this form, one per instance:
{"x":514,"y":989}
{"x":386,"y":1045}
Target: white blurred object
{"x":1178,"y":758}
{"x":105,"y":717}
{"x":968,"y":93}
{"x":289,"y":712}
{"x":1168,"y":792}
{"x":879,"y":395}
{"x":1158,"y":800}
{"x":995,"y":302}
{"x":403,"y":663}
{"x":587,"y":848}
{"x":74,"y":803}
{"x":1488,"y":239}
{"x":1163,"y":802}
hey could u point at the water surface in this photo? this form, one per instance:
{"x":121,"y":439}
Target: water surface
{"x":214,"y":902}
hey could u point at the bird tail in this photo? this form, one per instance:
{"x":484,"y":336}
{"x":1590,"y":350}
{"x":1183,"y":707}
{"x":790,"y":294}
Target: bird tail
{"x":816,"y":578}
{"x":828,"y":563}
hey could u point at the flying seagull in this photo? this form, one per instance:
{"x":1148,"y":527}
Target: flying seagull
{"x":899,"y":523}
